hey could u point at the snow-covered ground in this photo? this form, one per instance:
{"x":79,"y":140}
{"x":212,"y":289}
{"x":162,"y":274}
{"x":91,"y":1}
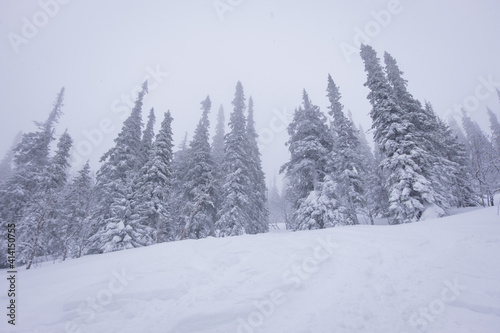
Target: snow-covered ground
{"x":434,"y":276}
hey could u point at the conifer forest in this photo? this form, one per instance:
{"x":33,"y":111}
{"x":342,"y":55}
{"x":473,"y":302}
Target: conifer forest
{"x":146,"y":191}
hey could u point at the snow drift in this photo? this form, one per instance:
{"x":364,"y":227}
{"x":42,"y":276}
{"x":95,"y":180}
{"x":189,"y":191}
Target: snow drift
{"x":440,"y":275}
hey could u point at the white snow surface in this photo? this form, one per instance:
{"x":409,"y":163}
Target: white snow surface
{"x":439,"y":275}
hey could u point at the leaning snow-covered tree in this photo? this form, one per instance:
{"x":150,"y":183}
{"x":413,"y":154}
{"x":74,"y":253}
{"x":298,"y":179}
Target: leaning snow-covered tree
{"x":410,"y":191}
{"x":20,"y":195}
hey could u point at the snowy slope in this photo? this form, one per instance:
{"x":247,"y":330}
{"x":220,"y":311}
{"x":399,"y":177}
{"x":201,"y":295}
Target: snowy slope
{"x":434,"y":276}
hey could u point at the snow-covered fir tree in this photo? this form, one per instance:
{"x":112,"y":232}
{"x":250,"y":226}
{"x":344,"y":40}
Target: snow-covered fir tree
{"x":433,"y":163}
{"x":375,"y":194}
{"x":199,"y":189}
{"x":482,"y":161}
{"x":461,"y":188}
{"x":74,"y":222}
{"x":311,"y":186}
{"x":218,"y":139}
{"x":259,"y":214}
{"x":410,"y":192}
{"x":39,"y":229}
{"x":218,"y":156}
{"x":19,"y":194}
{"x":495,"y":131}
{"x":152,"y":187}
{"x":234,"y":215}
{"x":114,"y":187}
{"x":147,"y":137}
{"x":180,"y":167}
{"x":345,"y":160}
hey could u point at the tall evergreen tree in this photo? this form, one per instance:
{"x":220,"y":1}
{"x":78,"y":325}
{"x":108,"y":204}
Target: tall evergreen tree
{"x":462,"y":189}
{"x":31,"y":159}
{"x":147,"y":137}
{"x":410,"y":192}
{"x":199,"y":188}
{"x":180,"y":168}
{"x":345,"y":159}
{"x":234,"y":216}
{"x":218,"y":157}
{"x":152,"y":187}
{"x":375,"y":193}
{"x":495,"y":131}
{"x":74,"y":222}
{"x":218,"y":139}
{"x":311,"y":188}
{"x":425,"y":134}
{"x":482,"y":163}
{"x":39,"y":230}
{"x":259,"y":215}
{"x":114,"y":186}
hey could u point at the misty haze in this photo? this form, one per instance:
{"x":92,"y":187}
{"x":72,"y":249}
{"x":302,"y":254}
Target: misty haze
{"x":250,"y":166}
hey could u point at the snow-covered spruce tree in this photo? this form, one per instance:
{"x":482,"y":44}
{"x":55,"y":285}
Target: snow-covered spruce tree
{"x":234,"y":215}
{"x":410,"y":192}
{"x":218,"y":157}
{"x":450,"y":174}
{"x":375,"y":193}
{"x":180,"y":167}
{"x":311,"y":187}
{"x":199,"y":186}
{"x":147,"y":137}
{"x":74,"y":221}
{"x":482,"y":163}
{"x":218,"y":139}
{"x":39,"y":229}
{"x":114,"y":187}
{"x":462,"y":187}
{"x":434,"y":165}
{"x":495,"y":131}
{"x":345,"y":159}
{"x":31,"y":158}
{"x":6,"y":165}
{"x":152,"y":187}
{"x":259,"y":214}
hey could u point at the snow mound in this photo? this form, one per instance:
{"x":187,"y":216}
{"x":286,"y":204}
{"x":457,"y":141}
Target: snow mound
{"x":432,"y":212}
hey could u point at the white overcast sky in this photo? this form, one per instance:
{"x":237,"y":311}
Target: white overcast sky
{"x":101,"y":50}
